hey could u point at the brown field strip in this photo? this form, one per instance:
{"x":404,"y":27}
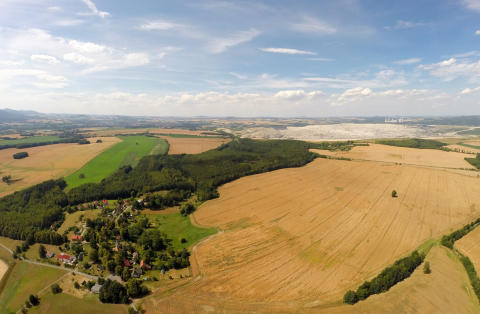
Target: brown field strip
{"x":179,"y":145}
{"x":3,"y":269}
{"x":408,"y":156}
{"x":312,"y":233}
{"x":47,"y":162}
{"x":137,"y":131}
{"x":469,"y":246}
{"x":446,"y":290}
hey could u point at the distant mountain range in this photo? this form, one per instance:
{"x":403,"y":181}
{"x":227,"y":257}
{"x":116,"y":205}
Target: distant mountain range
{"x":10,"y":115}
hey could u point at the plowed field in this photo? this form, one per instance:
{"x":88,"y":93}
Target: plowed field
{"x":179,"y":145}
{"x":310,"y":234}
{"x":469,"y":245}
{"x":446,"y":290}
{"x":47,"y":162}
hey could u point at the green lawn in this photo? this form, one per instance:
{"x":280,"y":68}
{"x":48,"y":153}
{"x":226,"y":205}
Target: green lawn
{"x":35,"y":139}
{"x":127,"y":152}
{"x":177,"y":227}
{"x":65,"y":303}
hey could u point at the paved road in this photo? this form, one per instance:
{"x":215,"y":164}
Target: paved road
{"x":53,"y":266}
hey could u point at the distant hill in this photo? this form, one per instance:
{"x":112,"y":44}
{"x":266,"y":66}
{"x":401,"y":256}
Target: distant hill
{"x":10,"y":115}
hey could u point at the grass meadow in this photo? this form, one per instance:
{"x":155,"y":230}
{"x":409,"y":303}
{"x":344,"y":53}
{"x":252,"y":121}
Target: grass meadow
{"x":35,"y":139}
{"x":127,"y":152}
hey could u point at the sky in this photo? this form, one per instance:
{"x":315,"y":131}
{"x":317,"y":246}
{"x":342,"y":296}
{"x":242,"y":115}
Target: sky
{"x":241,"y":58}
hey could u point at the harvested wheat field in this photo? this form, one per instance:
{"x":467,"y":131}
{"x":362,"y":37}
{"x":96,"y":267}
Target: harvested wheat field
{"x":312,"y":233}
{"x":182,"y":131}
{"x":47,"y":162}
{"x":469,"y":246}
{"x":446,"y":290}
{"x":408,"y":156}
{"x":3,"y":269}
{"x":181,"y":145}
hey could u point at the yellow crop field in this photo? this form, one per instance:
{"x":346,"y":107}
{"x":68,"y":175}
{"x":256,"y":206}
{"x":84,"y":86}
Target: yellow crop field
{"x":312,"y":233}
{"x":188,"y":145}
{"x":446,"y":290}
{"x":469,"y":245}
{"x":47,"y":162}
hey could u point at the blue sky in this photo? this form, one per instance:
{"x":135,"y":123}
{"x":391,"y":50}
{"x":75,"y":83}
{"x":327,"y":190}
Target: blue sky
{"x":241,"y":58}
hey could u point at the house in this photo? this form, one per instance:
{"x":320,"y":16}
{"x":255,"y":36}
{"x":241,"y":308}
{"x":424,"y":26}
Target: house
{"x":66,"y":258}
{"x":140,"y":201}
{"x":127,"y":202}
{"x":77,"y":238}
{"x":117,"y":237}
{"x":49,"y":254}
{"x":100,"y":267}
{"x":135,"y":254}
{"x":126,"y":263}
{"x":96,"y":288}
{"x":137,"y":272}
{"x":145,"y":266}
{"x":53,"y":225}
{"x":80,"y":257}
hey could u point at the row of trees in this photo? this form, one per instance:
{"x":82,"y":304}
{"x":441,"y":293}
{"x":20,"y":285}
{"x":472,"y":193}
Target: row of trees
{"x":414,"y":143}
{"x":20,"y":155}
{"x":390,"y":276}
{"x":449,"y":239}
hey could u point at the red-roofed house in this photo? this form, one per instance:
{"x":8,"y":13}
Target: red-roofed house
{"x":117,"y":237}
{"x":145,"y":265}
{"x":66,"y":258}
{"x":126,"y":263}
{"x":77,"y":238}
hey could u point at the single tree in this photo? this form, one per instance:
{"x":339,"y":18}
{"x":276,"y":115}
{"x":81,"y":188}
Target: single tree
{"x":118,"y":271}
{"x":76,"y":285}
{"x":133,"y":287}
{"x":81,"y":176}
{"x":350,"y":297}
{"x":42,"y":252}
{"x":426,"y":268}
{"x":394,"y":193}
{"x":99,"y":141}
{"x":126,"y":274}
{"x":94,"y":256}
{"x":33,"y":300}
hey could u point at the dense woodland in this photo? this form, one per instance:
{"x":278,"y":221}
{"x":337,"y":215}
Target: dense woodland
{"x":414,"y":143}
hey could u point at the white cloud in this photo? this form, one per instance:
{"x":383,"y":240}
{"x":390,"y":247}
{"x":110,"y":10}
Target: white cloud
{"x":94,"y":9}
{"x":451,"y":69}
{"x":407,"y":61}
{"x":218,"y":45}
{"x":86,"y":47}
{"x":314,"y":26}
{"x":320,"y":59}
{"x":405,"y":24}
{"x":75,"y":57}
{"x":360,"y":94}
{"x":297,"y":95}
{"x":288,"y":51}
{"x":239,"y":76}
{"x":477,"y":32}
{"x":468,"y":90}
{"x":129,"y":60}
{"x":160,"y":25}
{"x":354,"y":93}
{"x":472,"y":4}
{"x":13,"y":63}
{"x":71,"y":22}
{"x":45,"y":58}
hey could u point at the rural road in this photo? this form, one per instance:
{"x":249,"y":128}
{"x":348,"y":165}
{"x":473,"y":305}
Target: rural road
{"x":53,"y":266}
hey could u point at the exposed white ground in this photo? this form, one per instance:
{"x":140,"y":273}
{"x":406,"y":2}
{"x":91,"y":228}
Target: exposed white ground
{"x":343,"y":131}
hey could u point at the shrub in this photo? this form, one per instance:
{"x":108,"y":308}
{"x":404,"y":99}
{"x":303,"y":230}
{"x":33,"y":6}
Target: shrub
{"x":20,"y":155}
{"x":76,"y":285}
{"x":81,"y":176}
{"x":183,"y":240}
{"x":56,"y":288}
{"x":426,"y":268}
{"x":350,"y":297}
{"x":99,"y":141}
{"x":394,"y":193}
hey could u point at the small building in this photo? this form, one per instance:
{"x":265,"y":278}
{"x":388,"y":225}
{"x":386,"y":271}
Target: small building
{"x":80,"y":257}
{"x":49,"y":254}
{"x":53,"y":225}
{"x":145,"y":266}
{"x":100,"y":266}
{"x":66,"y":258}
{"x":77,"y":238}
{"x":96,"y":288}
{"x":126,"y":263}
{"x":137,"y":272}
{"x":135,"y":254}
{"x":117,"y":237}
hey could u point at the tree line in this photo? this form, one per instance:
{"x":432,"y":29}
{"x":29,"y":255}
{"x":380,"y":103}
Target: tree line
{"x":414,"y":143}
{"x":449,"y":239}
{"x":20,"y":155}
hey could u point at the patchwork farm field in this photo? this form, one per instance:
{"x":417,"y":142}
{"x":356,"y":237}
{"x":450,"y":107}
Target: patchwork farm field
{"x":47,"y":162}
{"x":127,"y":152}
{"x":110,"y":132}
{"x":469,"y":246}
{"x":33,"y":139}
{"x":407,"y":156}
{"x":189,"y":145}
{"x":307,"y":235}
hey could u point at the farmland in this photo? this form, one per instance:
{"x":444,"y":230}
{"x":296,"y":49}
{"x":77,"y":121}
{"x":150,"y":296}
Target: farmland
{"x":33,"y":139}
{"x":314,"y":232}
{"x":192,"y":145}
{"x":47,"y":162}
{"x":127,"y":152}
{"x":469,"y":246}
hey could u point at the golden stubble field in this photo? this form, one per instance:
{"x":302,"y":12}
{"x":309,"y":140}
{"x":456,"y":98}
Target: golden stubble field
{"x":179,"y":145}
{"x":407,"y":156}
{"x":309,"y":234}
{"x":47,"y":162}
{"x":469,"y":245}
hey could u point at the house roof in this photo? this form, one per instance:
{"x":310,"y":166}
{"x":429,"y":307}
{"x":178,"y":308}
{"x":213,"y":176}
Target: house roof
{"x":126,"y":263}
{"x":96,"y":288}
{"x":77,"y":237}
{"x":64,"y":256}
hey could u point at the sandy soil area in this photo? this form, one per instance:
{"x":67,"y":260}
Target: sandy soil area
{"x":408,"y":156}
{"x":192,"y":145}
{"x":342,"y":131}
{"x":310,"y":234}
{"x":47,"y":162}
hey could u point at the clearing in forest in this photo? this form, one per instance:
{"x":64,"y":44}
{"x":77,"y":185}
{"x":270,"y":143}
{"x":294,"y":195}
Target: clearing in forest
{"x":408,"y":156}
{"x":47,"y":162}
{"x":191,"y":145}
{"x":127,"y":152}
{"x":314,"y":232}
{"x":446,"y":290}
{"x":469,"y":246}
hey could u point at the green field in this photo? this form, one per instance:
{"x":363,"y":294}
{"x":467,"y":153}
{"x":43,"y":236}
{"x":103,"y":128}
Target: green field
{"x":187,"y":135}
{"x":127,"y":152}
{"x":467,"y":145}
{"x":177,"y":227}
{"x":35,"y":139}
